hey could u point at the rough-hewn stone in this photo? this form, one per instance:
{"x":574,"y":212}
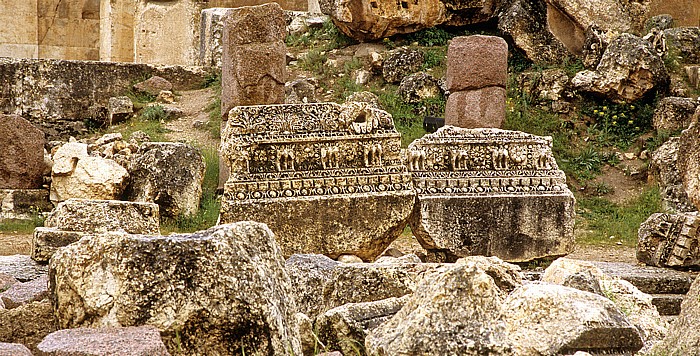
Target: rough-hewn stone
{"x":21,"y":267}
{"x":96,"y":216}
{"x":153,"y":85}
{"x":27,"y":324}
{"x":664,"y":167}
{"x":400,"y":63}
{"x":211,"y":29}
{"x":484,"y":107}
{"x":550,"y":319}
{"x":689,"y":160}
{"x":628,"y":70}
{"x":418,"y":86}
{"x":22,"y":155}
{"x":683,"y":337}
{"x":92,"y":178}
{"x":254,"y":57}
{"x":453,"y":312}
{"x":133,"y":340}
{"x":7,"y":349}
{"x":327,"y":178}
{"x":23,"y":203}
{"x":685,"y":42}
{"x":27,"y":292}
{"x":673,"y":113}
{"x":219,"y":291}
{"x":669,"y":240}
{"x":490,"y":192}
{"x":168,"y":174}
{"x":544,"y":85}
{"x":45,"y":241}
{"x":475,"y":62}
{"x":119,"y":109}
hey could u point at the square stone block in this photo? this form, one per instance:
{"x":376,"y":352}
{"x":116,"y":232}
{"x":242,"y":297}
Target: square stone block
{"x":475,"y":62}
{"x":476,"y":108}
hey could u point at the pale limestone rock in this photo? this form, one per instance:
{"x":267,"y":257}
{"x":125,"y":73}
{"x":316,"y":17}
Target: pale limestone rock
{"x":27,"y":324}
{"x":133,"y":341}
{"x":66,"y":158}
{"x":674,"y":113}
{"x":92,"y":178}
{"x":548,"y":319}
{"x":683,"y":337}
{"x":419,"y":86}
{"x":197,"y":289}
{"x":453,"y":312}
{"x":688,"y":160}
{"x":97,"y":216}
{"x":664,"y":167}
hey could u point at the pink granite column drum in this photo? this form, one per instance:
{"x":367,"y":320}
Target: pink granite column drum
{"x":477,"y":71}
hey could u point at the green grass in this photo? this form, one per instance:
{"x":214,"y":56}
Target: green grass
{"x":22,"y":226}
{"x":209,"y":205}
{"x":154,"y":113}
{"x":598,"y":218}
{"x":154,"y":129}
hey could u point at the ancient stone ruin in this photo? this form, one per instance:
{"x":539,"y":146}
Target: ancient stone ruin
{"x":669,"y":240}
{"x":490,"y":192}
{"x":326,"y":178}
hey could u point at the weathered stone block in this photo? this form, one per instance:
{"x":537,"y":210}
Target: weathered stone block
{"x":683,"y":337}
{"x":401,"y":62}
{"x":95,"y":216}
{"x":27,"y":292}
{"x":153,"y":85}
{"x":689,"y":160}
{"x":120,"y":109}
{"x":91,"y":178}
{"x":484,"y":107}
{"x":475,"y":62}
{"x":669,"y":240}
{"x":46,"y":241}
{"x":136,"y":341}
{"x":326,"y":178}
{"x":255,"y":24}
{"x":220,"y":291}
{"x":673,"y":113}
{"x":490,"y":192}
{"x":23,"y":203}
{"x":21,"y":267}
{"x":27,"y":324}
{"x":7,"y":349}
{"x":22,"y":155}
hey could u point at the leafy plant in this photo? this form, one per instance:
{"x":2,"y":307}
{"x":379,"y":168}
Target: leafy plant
{"x":433,"y":36}
{"x":434,"y":57}
{"x":153,"y":113}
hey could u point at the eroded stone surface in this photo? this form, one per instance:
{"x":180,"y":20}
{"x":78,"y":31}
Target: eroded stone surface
{"x":22,"y":155}
{"x":673,"y":113}
{"x":327,"y":178}
{"x":475,"y":62}
{"x":27,"y":324}
{"x":689,"y":161}
{"x":664,"y":167}
{"x":45,"y":241}
{"x":105,"y":215}
{"x":683,"y":337}
{"x":90,"y":178}
{"x":197,"y":289}
{"x":485,"y":107}
{"x":136,"y":341}
{"x":490,"y":192}
{"x":669,"y":240}
{"x":27,"y":292}
{"x":8,"y":349}
{"x":21,"y":267}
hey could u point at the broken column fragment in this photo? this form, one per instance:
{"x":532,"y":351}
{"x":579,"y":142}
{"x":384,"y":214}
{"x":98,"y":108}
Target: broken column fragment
{"x":326,"y":178}
{"x":490,"y":192}
{"x":669,"y":240}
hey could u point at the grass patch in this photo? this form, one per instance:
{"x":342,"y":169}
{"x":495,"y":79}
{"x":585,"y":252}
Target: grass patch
{"x":154,"y":113}
{"x":22,"y":226}
{"x":326,"y":38}
{"x":154,"y":129}
{"x":598,"y":219}
{"x":209,"y":205}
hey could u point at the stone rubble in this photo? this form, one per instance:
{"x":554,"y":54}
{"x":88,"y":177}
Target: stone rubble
{"x":22,"y":293}
{"x":132,"y":341}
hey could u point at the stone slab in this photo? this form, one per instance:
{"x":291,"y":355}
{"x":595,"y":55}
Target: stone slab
{"x":46,"y":241}
{"x":667,"y":304}
{"x":134,"y":340}
{"x":648,"y":279}
{"x":22,"y":267}
{"x":27,"y":292}
{"x":476,"y":62}
{"x":484,"y":107}
{"x":105,"y":215}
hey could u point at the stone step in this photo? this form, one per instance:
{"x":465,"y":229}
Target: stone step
{"x":667,"y":304}
{"x":650,"y":280}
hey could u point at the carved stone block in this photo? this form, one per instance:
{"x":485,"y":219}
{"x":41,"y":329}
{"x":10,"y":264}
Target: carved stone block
{"x":490,"y":192}
{"x":476,"y":108}
{"x":669,"y":240}
{"x":325,"y":178}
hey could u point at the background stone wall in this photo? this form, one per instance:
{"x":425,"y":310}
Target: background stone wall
{"x":684,"y":12}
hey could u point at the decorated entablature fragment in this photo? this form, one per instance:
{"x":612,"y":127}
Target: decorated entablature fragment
{"x":296,"y":150}
{"x":484,"y":161}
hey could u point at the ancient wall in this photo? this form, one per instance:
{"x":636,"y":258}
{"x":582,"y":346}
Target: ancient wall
{"x":117,"y":30}
{"x":684,"y":12}
{"x":68,"y":29}
{"x":18,"y":36}
{"x":167,"y":32}
{"x":296,"y":5}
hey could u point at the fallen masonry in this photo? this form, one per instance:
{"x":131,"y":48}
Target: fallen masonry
{"x":326,"y":178}
{"x":669,"y":240}
{"x":489,"y":192}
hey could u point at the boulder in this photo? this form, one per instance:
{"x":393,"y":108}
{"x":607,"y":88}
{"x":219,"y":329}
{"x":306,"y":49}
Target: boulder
{"x":418,"y":86}
{"x":219,"y":291}
{"x":499,"y":193}
{"x":689,"y":161}
{"x":301,"y":91}
{"x":453,"y":312}
{"x":45,"y":241}
{"x":401,"y":62}
{"x":544,"y":85}
{"x":526,"y":23}
{"x":366,"y":97}
{"x":119,"y":109}
{"x":460,"y":13}
{"x":22,"y":156}
{"x":344,"y":328}
{"x":476,"y":62}
{"x":628,"y":70}
{"x":368,"y":20}
{"x":7,"y":349}
{"x":133,"y":340}
{"x":21,"y":268}
{"x":683,"y":337}
{"x":548,"y":319}
{"x":91,"y":178}
{"x":581,"y":275}
{"x":661,"y":22}
{"x":153,"y":85}
{"x":168,"y":174}
{"x":27,"y":324}
{"x":669,"y":240}
{"x":67,"y":156}
{"x":97,"y":216}
{"x":470,"y":109}
{"x":684,"y":42}
{"x":664,"y":167}
{"x":674,"y":113}
{"x":22,"y":293}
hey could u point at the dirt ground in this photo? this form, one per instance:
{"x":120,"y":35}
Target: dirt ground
{"x":193,"y":104}
{"x":15,"y":244}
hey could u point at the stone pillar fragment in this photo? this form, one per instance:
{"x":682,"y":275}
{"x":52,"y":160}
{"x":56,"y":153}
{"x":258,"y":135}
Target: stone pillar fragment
{"x":211,"y":31}
{"x":22,"y":153}
{"x":477,"y":71}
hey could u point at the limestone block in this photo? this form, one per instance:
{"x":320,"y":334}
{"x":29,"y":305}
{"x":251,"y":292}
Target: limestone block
{"x":197,"y":289}
{"x":23,"y":203}
{"x":120,"y":109}
{"x":136,"y":341}
{"x":400,"y":63}
{"x":683,"y":337}
{"x":326,"y":178}
{"x":27,"y":292}
{"x":19,"y":36}
{"x":211,"y":38}
{"x":543,"y":85}
{"x":693,"y":73}
{"x":669,"y":240}
{"x":550,"y":319}
{"x":254,"y":24}
{"x":419,"y":86}
{"x":166,"y":32}
{"x":92,"y":178}
{"x":686,"y":42}
{"x":8,"y":349}
{"x":21,"y":267}
{"x":674,"y":113}
{"x":475,"y":62}
{"x":454,"y":312}
{"x":22,"y":156}
{"x":97,"y":216}
{"x":664,"y":167}
{"x":46,"y":241}
{"x":66,"y":158}
{"x":168,"y":174}
{"x":490,"y":192}
{"x":484,"y":107}
{"x":27,"y":324}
